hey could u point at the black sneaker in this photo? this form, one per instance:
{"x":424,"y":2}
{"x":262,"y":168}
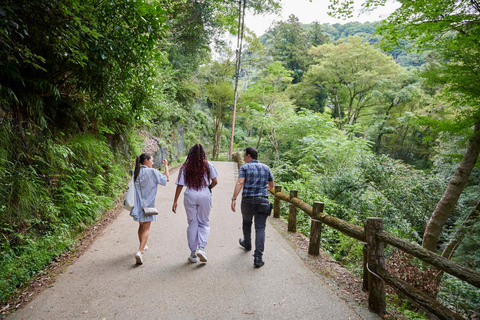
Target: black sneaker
{"x":258,"y":262}
{"x":242,"y":243}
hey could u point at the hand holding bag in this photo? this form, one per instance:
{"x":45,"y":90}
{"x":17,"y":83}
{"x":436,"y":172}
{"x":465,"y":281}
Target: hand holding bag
{"x":148,"y":211}
{"x":129,"y":200}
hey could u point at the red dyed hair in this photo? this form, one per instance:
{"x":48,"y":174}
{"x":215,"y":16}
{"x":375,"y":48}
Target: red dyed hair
{"x":195,"y":168}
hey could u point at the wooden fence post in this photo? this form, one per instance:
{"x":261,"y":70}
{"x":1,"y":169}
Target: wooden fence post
{"x":315,"y":229}
{"x":276,"y":203}
{"x":375,"y":261}
{"x":292,"y":213}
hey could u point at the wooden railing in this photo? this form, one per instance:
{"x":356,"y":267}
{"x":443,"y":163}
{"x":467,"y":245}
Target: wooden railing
{"x":375,"y":275}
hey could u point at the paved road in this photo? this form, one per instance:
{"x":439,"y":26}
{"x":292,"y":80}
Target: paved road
{"x":105,"y":283}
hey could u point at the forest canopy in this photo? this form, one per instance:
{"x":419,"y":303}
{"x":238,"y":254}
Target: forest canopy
{"x":376,"y":119}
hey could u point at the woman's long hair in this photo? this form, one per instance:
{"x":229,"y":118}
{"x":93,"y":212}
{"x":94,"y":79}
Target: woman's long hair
{"x":140,"y":160}
{"x":195,"y":168}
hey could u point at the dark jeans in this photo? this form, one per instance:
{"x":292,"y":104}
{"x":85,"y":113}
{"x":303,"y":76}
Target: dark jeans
{"x":253,"y":208}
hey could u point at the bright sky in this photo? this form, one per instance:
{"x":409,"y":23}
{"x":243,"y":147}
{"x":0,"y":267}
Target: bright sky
{"x":316,"y":10}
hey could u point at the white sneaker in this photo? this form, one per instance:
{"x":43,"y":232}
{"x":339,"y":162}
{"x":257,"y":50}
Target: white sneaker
{"x":201,"y":255}
{"x":139,"y":258}
{"x":145,"y":249}
{"x":192,"y":258}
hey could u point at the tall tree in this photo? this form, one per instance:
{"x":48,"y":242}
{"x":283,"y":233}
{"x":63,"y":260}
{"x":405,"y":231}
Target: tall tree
{"x":354,"y":66}
{"x":287,"y":42}
{"x":83,"y":64}
{"x":450,"y":29}
{"x":219,"y":93}
{"x":316,"y":34}
{"x":220,"y":98}
{"x":268,"y":91}
{"x":396,"y":97}
{"x":195,"y":25}
{"x":308,"y":94}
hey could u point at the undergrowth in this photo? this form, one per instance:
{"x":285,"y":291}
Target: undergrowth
{"x":65,"y":187}
{"x":457,"y":295}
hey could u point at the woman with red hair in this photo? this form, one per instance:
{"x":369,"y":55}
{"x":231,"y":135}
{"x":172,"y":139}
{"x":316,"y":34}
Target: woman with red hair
{"x":200,"y":177}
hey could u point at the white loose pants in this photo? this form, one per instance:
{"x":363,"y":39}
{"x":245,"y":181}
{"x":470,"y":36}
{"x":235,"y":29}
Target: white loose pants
{"x":197,"y":205}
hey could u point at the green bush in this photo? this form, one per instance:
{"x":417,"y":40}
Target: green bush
{"x":66,"y":188}
{"x":459,"y":295}
{"x":18,"y":265}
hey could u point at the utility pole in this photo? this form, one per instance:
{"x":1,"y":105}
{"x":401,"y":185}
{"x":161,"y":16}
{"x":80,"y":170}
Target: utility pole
{"x":241,"y":20}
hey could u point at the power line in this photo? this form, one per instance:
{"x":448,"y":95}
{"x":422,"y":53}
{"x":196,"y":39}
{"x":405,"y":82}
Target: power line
{"x":241,"y":23}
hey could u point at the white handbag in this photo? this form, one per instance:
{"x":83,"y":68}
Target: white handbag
{"x":150,"y":211}
{"x":129,"y":200}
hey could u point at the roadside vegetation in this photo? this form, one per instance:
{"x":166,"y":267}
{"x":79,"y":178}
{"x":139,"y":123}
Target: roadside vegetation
{"x":79,"y":80}
{"x":374,"y":119}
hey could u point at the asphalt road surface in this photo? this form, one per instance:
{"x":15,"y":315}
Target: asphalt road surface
{"x":105,"y":282}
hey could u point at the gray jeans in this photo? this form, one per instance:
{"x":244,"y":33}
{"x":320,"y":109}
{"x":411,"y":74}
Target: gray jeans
{"x":255,"y":209}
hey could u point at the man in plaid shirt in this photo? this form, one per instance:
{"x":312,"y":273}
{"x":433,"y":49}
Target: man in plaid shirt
{"x":256,"y":179}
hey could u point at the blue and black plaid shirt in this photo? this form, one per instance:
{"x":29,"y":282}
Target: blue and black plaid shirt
{"x":257,"y":175}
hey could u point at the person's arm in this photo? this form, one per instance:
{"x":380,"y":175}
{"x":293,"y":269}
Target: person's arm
{"x":270,"y":185}
{"x":236,"y":192}
{"x":167,"y":174}
{"x":212,"y":184}
{"x":177,"y":194}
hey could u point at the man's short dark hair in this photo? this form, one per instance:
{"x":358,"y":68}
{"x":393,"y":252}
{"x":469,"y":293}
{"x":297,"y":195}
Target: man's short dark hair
{"x":252,"y":152}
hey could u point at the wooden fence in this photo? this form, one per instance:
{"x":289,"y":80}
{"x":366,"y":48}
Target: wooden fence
{"x":375,"y":275}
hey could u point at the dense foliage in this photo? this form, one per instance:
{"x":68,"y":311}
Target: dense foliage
{"x":77,"y":81}
{"x":76,"y":77}
{"x":369,"y":131}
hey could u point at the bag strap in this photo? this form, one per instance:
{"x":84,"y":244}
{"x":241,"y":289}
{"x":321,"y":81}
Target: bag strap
{"x":141,"y":195}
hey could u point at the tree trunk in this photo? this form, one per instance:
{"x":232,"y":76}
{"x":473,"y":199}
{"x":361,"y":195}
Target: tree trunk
{"x":462,"y":231}
{"x":350,"y":113}
{"x":274,"y":140}
{"x":455,"y":187}
{"x":380,"y":128}
{"x":339,"y":110}
{"x":260,"y":136}
{"x":219,"y":141}
{"x":378,"y":143}
{"x":217,"y":138}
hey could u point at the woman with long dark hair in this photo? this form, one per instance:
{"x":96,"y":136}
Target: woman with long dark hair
{"x":146,"y":180}
{"x":200,"y":177}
